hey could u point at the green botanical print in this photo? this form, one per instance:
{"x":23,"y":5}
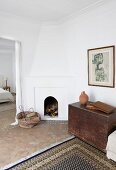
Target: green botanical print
{"x":99,"y":70}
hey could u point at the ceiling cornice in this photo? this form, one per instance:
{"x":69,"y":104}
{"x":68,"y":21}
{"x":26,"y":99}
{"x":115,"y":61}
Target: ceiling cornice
{"x":19,"y":18}
{"x":55,"y":22}
{"x":84,"y":11}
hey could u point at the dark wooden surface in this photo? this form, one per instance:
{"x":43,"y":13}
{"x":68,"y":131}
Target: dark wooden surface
{"x":7,"y":88}
{"x":91,"y":126}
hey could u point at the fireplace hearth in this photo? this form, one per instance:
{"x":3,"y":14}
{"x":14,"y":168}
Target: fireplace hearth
{"x":50,"y":107}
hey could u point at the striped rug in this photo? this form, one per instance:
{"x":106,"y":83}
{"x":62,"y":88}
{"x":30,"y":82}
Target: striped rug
{"x":73,"y":154}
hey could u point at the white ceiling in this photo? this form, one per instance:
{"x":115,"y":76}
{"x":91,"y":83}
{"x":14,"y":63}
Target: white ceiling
{"x":44,"y":10}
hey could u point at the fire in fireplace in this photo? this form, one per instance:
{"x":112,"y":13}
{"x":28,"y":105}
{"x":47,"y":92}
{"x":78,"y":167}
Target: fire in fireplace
{"x":50,"y":107}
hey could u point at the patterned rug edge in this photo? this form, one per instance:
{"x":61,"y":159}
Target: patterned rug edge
{"x":11,"y":165}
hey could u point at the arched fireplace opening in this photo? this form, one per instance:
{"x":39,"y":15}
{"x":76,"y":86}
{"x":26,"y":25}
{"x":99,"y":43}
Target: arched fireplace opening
{"x":50,"y":107}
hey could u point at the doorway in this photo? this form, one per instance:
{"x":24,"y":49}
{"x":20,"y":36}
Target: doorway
{"x":10,"y":76}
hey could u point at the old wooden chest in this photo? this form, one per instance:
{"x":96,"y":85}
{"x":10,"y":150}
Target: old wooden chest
{"x":91,"y":126}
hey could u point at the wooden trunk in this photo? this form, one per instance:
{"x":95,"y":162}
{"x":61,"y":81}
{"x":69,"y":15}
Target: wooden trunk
{"x":91,"y":126}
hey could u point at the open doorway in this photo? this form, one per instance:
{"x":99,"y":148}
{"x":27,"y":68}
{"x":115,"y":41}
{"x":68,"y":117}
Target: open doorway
{"x":7,"y":82}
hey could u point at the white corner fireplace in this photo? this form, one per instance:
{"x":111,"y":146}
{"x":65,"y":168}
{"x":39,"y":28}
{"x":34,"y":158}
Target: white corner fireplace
{"x":59,"y":93}
{"x":49,"y":96}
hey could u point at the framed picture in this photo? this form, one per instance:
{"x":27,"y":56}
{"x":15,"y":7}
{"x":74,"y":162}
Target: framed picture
{"x":101,"y":66}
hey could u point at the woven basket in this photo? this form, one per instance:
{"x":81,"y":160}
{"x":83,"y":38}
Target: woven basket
{"x":28,"y":119}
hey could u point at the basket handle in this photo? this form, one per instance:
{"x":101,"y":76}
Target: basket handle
{"x":31,"y":109}
{"x":21,"y":108}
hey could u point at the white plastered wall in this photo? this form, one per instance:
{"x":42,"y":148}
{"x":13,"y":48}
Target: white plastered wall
{"x":96,"y":28}
{"x":60,"y":51}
